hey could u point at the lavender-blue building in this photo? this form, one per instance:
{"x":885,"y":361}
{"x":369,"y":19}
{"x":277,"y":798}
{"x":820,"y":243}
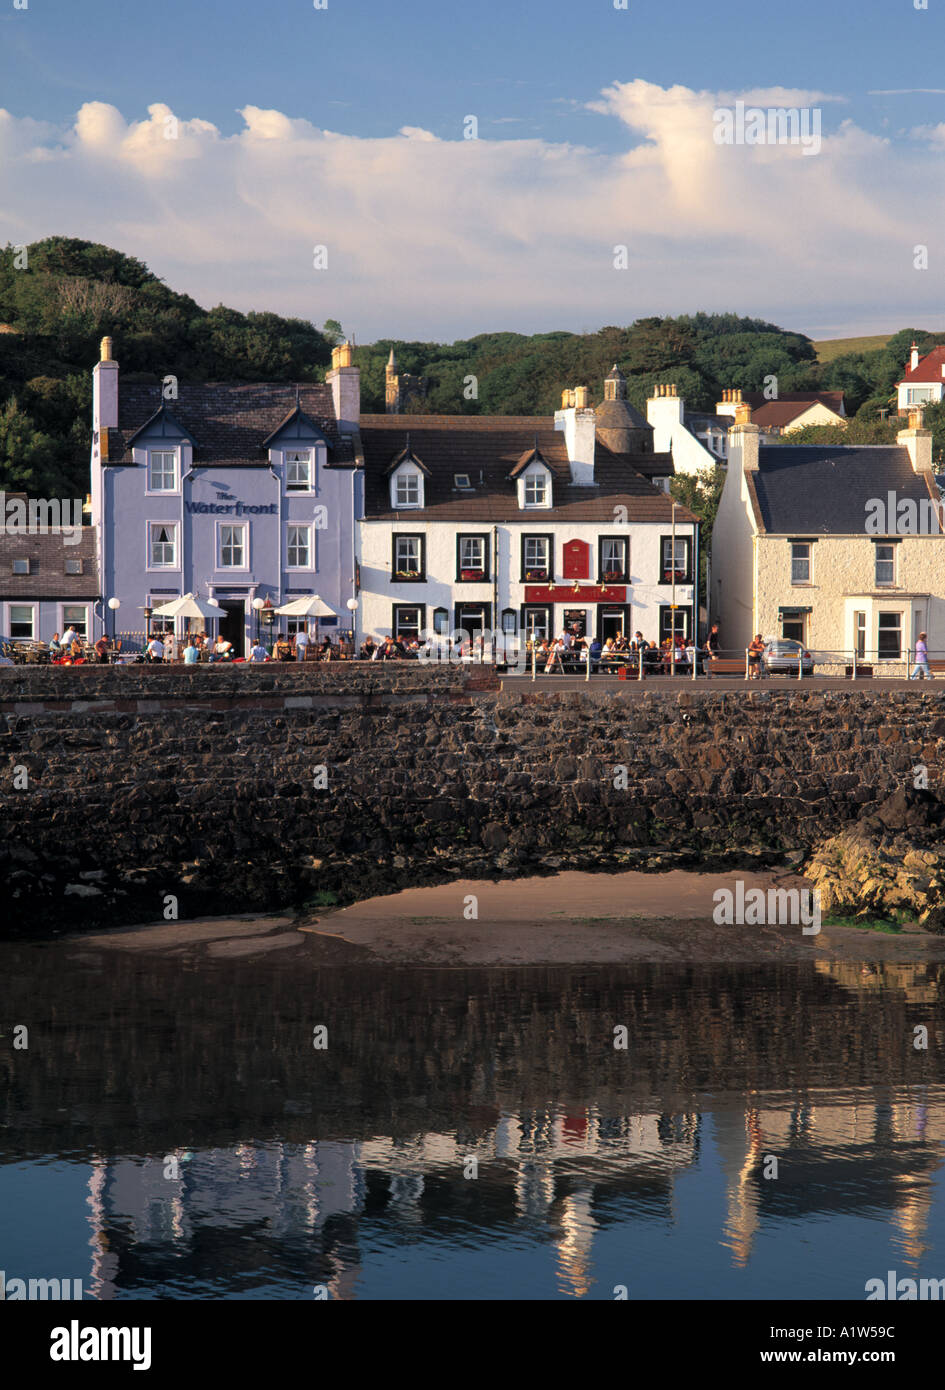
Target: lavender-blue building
{"x":237,"y":491}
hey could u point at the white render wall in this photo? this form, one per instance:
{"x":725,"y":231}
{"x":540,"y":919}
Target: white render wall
{"x":379,"y":592}
{"x":690,"y":455}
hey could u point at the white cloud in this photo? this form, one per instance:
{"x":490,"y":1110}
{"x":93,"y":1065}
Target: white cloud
{"x":444,"y":238}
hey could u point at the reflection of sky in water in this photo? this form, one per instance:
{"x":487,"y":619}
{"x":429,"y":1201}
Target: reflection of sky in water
{"x":665,"y":1195}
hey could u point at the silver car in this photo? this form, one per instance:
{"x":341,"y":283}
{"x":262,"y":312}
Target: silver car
{"x":781,"y":656}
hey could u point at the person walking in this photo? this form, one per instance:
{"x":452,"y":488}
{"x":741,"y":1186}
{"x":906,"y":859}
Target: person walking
{"x":301,"y":644}
{"x":921,"y":671}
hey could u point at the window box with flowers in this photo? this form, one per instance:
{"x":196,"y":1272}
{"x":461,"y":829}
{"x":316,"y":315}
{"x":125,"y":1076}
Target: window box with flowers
{"x":537,"y":575}
{"x":406,"y":574}
{"x":472,"y":576}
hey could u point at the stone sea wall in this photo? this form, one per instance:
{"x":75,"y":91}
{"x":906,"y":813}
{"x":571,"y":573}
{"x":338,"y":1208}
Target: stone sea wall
{"x":234,"y":790}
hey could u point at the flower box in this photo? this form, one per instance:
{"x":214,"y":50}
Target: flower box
{"x":534,"y":575}
{"x":406,"y":574}
{"x":472,"y":575}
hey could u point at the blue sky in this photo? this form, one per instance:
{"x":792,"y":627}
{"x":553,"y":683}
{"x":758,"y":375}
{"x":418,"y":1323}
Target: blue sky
{"x":530,"y":71}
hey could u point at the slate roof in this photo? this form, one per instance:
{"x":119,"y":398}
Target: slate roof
{"x":701,"y":420}
{"x":819,"y":490}
{"x":230,"y":421}
{"x":47,"y":555}
{"x":928,"y":368}
{"x":492,"y":446}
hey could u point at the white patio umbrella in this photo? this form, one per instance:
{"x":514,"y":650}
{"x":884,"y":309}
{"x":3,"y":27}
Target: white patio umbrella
{"x":190,"y":606}
{"x":309,"y":606}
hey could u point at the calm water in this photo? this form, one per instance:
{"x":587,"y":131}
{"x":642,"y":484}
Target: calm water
{"x":347,"y":1166}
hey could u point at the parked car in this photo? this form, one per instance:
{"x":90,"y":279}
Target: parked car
{"x":781,"y":655}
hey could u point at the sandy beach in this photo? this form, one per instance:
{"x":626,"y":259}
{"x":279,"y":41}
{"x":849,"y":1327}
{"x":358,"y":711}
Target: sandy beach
{"x":567,"y":919}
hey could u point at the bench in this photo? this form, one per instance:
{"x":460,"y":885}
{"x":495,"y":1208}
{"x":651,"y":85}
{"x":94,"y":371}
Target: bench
{"x":726,"y":666}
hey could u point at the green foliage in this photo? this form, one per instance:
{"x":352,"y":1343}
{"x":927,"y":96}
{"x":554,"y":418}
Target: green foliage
{"x":859,"y":430}
{"x":701,"y":492}
{"x":54,"y":313}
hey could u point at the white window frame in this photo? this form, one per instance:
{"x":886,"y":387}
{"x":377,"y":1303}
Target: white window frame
{"x":232,"y":526}
{"x":64,"y":621}
{"x":151,"y":491}
{"x":412,"y":632}
{"x":298,"y":526}
{"x":799,"y":560}
{"x":680,"y":543}
{"x":171,"y":526}
{"x":919,"y":395}
{"x":884,"y":583}
{"x":544,"y":564}
{"x":406,"y":471}
{"x":624,"y":566}
{"x":417,"y":563}
{"x":479,"y":560}
{"x":164,"y":627}
{"x":309,"y":488}
{"x":533,"y":473}
{"x":34,"y":620}
{"x":890,"y":613}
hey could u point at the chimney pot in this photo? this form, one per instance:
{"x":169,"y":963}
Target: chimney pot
{"x":580,"y":398}
{"x":106,"y":350}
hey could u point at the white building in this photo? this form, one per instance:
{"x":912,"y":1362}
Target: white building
{"x":923,"y":380}
{"x":523,"y":525}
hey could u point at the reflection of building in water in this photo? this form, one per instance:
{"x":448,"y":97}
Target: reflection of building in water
{"x":554,"y":1168}
{"x":277,"y":1193}
{"x":918,"y":983}
{"x":296,"y":1212}
{"x":833,"y":1155}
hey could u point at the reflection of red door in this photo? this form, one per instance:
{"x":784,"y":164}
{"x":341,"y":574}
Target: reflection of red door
{"x":577,"y":560}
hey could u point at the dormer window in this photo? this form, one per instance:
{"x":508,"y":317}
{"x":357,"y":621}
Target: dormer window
{"x":298,"y":470}
{"x":534,"y":484}
{"x":407,"y":487}
{"x":461,"y":482}
{"x":162,"y":470}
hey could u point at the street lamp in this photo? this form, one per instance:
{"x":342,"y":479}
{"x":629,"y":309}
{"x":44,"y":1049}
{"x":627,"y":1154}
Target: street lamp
{"x":114,"y":604}
{"x":258,"y":605}
{"x":352,"y":606}
{"x":147,"y":610}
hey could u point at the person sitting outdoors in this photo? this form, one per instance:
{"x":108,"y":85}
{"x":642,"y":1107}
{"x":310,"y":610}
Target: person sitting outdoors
{"x":595,"y":649}
{"x":555,"y":656}
{"x":55,"y":647}
{"x":154,"y":650}
{"x":325,"y":650}
{"x":191,"y":652}
{"x":102,"y":648}
{"x":368,"y":648}
{"x":68,"y":637}
{"x":222,"y":649}
{"x":258,"y":652}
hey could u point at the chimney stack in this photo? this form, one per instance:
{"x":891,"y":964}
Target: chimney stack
{"x":578,"y":421}
{"x":918,"y":441}
{"x":345,"y":382}
{"x":913,"y":358}
{"x":105,"y":390}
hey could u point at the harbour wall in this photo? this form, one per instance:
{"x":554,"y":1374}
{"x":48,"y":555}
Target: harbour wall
{"x":253,"y":790}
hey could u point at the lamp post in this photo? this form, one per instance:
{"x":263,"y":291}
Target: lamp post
{"x":352,"y":607}
{"x":267,"y":613}
{"x":258,"y":605}
{"x":673,"y":600}
{"x":114,"y":604}
{"x":148,"y":610}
